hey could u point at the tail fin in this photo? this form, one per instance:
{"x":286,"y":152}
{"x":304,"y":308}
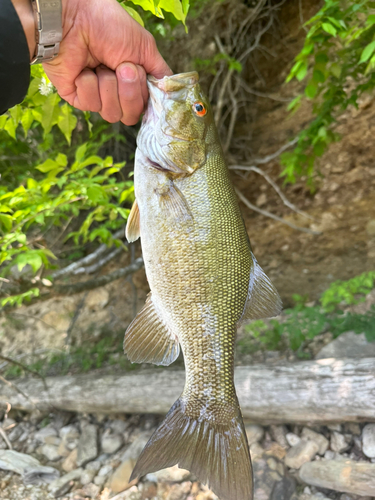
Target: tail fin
{"x":217,"y":454}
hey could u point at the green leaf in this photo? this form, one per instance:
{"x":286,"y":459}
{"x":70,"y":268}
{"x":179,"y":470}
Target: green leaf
{"x":50,"y":112}
{"x":175,"y":7}
{"x":335,"y":69}
{"x":367,"y":52}
{"x":67,"y":122}
{"x":95,"y":193}
{"x":27,"y":119}
{"x":318,"y":76}
{"x":148,"y":5}
{"x":81,"y":151}
{"x":329,"y":29}
{"x":133,"y":13}
{"x":311,"y":90}
{"x":32,"y":258}
{"x":302,"y":71}
{"x":31,"y":183}
{"x":47,"y":166}
{"x":6,"y":222}
{"x":185,"y":6}
{"x":3,"y":119}
{"x":10,"y":128}
{"x":61,"y":160}
{"x":16,"y":113}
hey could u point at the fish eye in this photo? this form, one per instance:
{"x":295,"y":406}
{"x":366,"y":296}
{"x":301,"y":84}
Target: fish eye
{"x":199,"y":108}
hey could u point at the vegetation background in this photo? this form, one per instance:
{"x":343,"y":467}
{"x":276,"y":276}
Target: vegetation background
{"x":291,"y":83}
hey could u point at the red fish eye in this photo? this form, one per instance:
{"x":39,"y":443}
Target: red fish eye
{"x":199,"y":108}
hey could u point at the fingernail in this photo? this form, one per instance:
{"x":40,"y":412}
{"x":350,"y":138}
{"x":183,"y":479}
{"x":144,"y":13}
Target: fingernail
{"x":128,"y":73}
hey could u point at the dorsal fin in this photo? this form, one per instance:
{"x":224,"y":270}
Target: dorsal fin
{"x":262,"y":301}
{"x":149,"y":340}
{"x":132,"y":231}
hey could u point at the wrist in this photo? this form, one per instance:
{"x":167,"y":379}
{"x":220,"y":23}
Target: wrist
{"x":25,"y":13}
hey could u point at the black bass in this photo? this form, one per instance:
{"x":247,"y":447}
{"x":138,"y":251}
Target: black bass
{"x":204,"y":281}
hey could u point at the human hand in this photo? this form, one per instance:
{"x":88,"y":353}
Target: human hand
{"x":103,"y":60}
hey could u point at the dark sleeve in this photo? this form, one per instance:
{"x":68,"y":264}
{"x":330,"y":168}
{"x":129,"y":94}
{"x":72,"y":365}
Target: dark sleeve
{"x":14,"y":58}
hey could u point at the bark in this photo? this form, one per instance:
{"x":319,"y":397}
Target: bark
{"x":321,"y":391}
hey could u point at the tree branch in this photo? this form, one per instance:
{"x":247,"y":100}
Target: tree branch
{"x":272,"y":216}
{"x":88,"y":259}
{"x":73,"y":287}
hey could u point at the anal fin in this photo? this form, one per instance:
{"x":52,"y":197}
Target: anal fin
{"x":132,"y":231}
{"x":263,"y":301}
{"x":149,"y":340}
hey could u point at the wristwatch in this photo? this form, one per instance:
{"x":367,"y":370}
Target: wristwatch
{"x":48,"y":25}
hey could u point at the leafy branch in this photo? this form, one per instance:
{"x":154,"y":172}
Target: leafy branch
{"x":338,"y":62}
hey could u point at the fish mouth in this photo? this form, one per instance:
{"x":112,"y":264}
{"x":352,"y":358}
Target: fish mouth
{"x":175,"y":82}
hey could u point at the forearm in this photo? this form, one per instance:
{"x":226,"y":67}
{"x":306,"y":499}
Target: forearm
{"x":26,"y":15}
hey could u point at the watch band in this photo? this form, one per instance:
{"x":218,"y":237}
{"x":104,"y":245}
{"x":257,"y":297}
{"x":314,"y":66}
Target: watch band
{"x":48,"y":24}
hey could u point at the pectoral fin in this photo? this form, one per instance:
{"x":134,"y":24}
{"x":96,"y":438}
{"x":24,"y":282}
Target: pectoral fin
{"x":173,"y":202}
{"x":263,"y":301}
{"x":149,"y":340}
{"x":132,"y":231}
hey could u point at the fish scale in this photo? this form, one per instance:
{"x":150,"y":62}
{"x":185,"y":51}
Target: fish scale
{"x":203,"y":279}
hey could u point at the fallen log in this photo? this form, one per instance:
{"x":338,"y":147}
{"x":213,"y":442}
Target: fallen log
{"x":308,"y":392}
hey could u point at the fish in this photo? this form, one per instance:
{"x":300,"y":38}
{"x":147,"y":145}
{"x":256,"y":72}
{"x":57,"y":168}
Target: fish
{"x":204,"y":281}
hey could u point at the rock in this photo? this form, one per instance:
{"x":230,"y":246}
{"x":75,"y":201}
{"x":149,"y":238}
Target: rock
{"x":268,"y":473}
{"x":62,"y":485}
{"x":348,"y":345}
{"x":105,"y":470}
{"x":319,"y":439}
{"x":172,"y":474}
{"x":99,"y":480}
{"x":15,"y":433}
{"x":53,"y":440}
{"x":93,"y":466}
{"x":111,"y":442}
{"x":118,"y":426}
{"x":50,"y":452}
{"x":131,"y":494}
{"x":261,"y":200}
{"x":69,"y":432}
{"x":345,"y":476}
{"x":329,"y":455}
{"x":87,"y":445}
{"x":97,"y":299}
{"x":44,"y":433}
{"x":120,"y":478}
{"x":31,"y":471}
{"x":353,"y":428}
{"x":275,"y":450}
{"x":368,"y":440}
{"x":292,"y":438}
{"x":338,"y":442}
{"x":87,"y":477}
{"x":284,"y":489}
{"x":70,"y":463}
{"x":279,"y":432}
{"x":301,"y":453}
{"x":254,"y":433}
{"x":62,"y":450}
{"x":256,"y":451}
{"x":370,"y":227}
{"x":90,"y":490}
{"x":335,"y":427}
